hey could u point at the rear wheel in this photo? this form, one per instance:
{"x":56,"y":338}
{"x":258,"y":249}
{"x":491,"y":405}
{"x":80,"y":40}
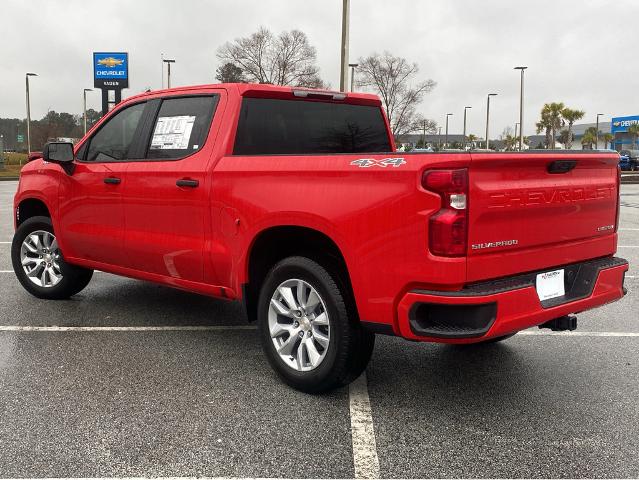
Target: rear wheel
{"x":39,"y":265}
{"x":310,"y":335}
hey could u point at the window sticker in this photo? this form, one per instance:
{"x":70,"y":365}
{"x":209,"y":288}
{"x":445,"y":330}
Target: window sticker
{"x":173,"y":133}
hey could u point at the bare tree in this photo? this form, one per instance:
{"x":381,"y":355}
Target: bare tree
{"x":285,"y":59}
{"x":392,"y":78}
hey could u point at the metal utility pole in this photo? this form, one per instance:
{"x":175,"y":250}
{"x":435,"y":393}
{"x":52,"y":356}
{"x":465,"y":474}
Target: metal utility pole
{"x":162,"y":65}
{"x":84,"y":109}
{"x":597,"y":134}
{"x":168,"y":71}
{"x":353,"y":67}
{"x":343,"y":78}
{"x":488,"y":118}
{"x":464,"y":139}
{"x":516,"y":129}
{"x":29,"y":114}
{"x":439,"y":138}
{"x":521,"y":108}
{"x":446,"y":140}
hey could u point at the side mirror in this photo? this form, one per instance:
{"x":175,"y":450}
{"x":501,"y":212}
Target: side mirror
{"x":60,"y":153}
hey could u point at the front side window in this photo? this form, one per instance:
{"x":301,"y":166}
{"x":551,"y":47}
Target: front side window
{"x":273,"y":126}
{"x":181,"y":126}
{"x":114,"y":139}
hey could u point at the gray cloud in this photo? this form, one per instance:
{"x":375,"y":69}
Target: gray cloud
{"x":578,"y":51}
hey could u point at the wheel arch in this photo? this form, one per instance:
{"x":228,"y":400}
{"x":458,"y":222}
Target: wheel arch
{"x":30,"y":207}
{"x":273,"y":244}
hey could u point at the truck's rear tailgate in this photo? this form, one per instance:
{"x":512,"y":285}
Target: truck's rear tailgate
{"x":522,"y":217}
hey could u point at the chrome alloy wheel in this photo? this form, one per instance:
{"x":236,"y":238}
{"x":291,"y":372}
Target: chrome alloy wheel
{"x":299,"y":325}
{"x":40,"y":258}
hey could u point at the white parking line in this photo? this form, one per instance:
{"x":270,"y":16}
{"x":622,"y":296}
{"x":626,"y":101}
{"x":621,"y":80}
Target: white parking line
{"x":5,"y":242}
{"x":579,"y":334}
{"x":169,"y":328}
{"x":365,"y":458}
{"x":627,"y":246}
{"x":629,"y":229}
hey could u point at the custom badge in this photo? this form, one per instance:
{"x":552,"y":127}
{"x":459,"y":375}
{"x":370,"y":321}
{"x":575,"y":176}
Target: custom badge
{"x":385,"y":162}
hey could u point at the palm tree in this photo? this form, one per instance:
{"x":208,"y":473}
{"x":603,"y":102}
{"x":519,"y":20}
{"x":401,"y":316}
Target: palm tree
{"x":608,"y":138}
{"x":551,"y":121}
{"x":565,"y":138}
{"x":472,"y":139}
{"x":571,"y":116}
{"x":589,"y":138}
{"x":633,"y":131}
{"x":544,"y":125}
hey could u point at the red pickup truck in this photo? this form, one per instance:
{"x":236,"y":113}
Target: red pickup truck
{"x":296,"y":203}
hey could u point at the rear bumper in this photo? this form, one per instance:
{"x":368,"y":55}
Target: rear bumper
{"x":492,"y":309}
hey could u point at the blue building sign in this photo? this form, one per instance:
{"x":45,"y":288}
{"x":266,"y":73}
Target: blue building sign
{"x":111,"y":70}
{"x":621,"y":124}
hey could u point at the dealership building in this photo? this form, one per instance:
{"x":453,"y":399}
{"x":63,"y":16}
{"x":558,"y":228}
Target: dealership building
{"x":619,"y":128}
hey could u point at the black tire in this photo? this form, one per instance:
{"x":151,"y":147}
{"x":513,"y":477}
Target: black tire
{"x":74,"y":279}
{"x":350,"y":346}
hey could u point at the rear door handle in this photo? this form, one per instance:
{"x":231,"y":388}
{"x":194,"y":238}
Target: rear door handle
{"x":112,"y":180}
{"x":185,"y":182}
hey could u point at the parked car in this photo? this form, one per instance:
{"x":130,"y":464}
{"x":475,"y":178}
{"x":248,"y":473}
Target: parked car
{"x":34,"y":156}
{"x":295,"y":203}
{"x":633,"y":159}
{"x":624,"y":162}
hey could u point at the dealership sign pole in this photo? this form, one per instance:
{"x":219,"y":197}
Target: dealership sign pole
{"x":110,"y":73}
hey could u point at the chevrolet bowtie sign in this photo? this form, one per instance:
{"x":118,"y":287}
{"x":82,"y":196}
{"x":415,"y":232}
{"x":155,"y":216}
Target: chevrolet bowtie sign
{"x":111,"y":70}
{"x":621,"y":124}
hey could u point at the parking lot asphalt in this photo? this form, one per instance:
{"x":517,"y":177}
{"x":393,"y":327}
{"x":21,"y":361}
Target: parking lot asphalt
{"x":190,"y":403}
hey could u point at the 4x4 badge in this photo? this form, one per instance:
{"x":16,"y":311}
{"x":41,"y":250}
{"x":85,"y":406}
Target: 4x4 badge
{"x":385,"y":162}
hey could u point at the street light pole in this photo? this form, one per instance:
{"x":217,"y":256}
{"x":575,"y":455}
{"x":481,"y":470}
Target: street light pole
{"x":516,"y":129}
{"x":488,"y":118}
{"x":597,"y":134}
{"x":439,"y":138}
{"x":464,"y":139}
{"x":84,"y":110}
{"x":343,"y":78}
{"x":446,"y":140}
{"x":168,"y":71}
{"x":29,"y":114}
{"x":521,"y":108}
{"x":353,"y":67}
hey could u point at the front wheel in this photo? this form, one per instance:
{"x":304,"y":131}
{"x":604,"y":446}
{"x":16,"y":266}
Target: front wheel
{"x":39,"y":265}
{"x":309,"y":333}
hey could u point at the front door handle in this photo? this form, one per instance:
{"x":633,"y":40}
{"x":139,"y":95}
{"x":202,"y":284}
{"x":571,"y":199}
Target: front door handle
{"x":186,"y":182}
{"x":112,"y":180}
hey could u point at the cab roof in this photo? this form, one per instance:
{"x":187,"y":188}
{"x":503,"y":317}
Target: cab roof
{"x":274,"y":91}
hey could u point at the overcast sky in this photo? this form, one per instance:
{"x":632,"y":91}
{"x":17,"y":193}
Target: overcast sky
{"x":581,"y":52}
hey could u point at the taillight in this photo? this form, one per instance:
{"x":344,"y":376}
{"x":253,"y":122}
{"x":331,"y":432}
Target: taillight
{"x":618,"y":197}
{"x":448,"y":228}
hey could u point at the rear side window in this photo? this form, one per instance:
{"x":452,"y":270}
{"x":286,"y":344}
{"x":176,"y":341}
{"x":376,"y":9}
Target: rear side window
{"x":272,"y":126}
{"x":181,"y":126}
{"x":113,"y":141}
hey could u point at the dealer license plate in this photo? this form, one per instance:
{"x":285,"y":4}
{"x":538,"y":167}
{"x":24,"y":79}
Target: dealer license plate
{"x":550,"y":285}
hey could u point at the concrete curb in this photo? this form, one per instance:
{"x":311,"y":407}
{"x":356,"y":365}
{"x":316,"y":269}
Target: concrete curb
{"x":6,"y":179}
